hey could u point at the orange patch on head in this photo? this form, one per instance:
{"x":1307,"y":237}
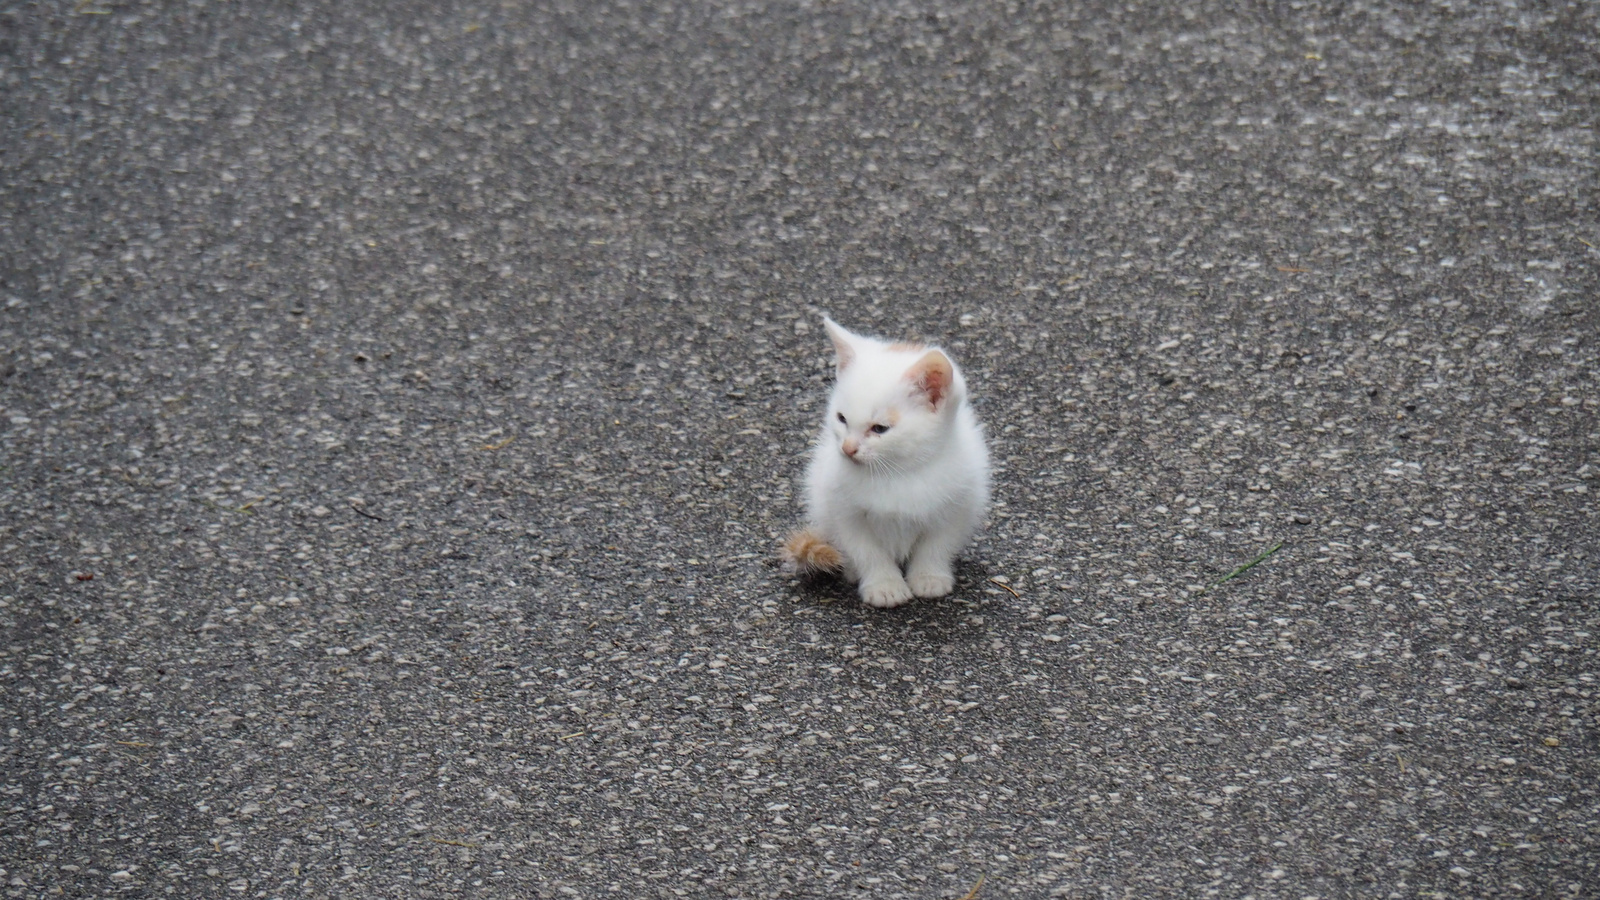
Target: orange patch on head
{"x":906,"y":347}
{"x":891,"y":417}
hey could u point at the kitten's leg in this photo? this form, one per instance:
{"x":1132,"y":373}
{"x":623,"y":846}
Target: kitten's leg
{"x":929,"y":574}
{"x":881,"y":584}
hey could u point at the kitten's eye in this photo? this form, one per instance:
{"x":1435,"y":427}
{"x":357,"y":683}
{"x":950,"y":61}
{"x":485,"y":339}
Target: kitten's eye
{"x":879,"y":429}
{"x":841,"y":419}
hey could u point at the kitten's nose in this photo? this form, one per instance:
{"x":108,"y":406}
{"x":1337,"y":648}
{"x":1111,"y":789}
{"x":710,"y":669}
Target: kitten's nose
{"x":850,"y":447}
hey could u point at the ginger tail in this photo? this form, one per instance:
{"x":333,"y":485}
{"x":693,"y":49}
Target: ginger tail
{"x":811,"y":554}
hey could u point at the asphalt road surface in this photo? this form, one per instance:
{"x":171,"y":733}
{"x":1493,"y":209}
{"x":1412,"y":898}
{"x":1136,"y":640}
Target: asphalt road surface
{"x":400,"y":405}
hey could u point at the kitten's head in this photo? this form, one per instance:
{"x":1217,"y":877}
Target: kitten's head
{"x":892,"y":404}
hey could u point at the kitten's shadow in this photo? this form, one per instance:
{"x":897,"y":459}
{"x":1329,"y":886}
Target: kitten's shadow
{"x":919,"y":625}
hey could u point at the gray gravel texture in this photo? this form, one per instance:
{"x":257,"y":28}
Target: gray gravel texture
{"x":402,"y":402}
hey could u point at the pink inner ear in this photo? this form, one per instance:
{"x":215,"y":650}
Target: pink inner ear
{"x":931,"y":376}
{"x":843,"y":352}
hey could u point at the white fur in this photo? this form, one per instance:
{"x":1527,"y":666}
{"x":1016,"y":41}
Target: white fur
{"x":914,"y":495}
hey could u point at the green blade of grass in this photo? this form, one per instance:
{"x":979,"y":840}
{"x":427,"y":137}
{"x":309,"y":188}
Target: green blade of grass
{"x":1246,"y":567}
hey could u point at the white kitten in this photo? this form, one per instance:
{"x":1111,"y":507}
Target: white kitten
{"x":899,"y":476}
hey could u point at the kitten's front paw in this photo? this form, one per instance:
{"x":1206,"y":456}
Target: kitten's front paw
{"x":931,"y":584}
{"x":885,"y":594}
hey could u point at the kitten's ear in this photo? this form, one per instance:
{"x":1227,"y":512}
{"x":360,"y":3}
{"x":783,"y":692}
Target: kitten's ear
{"x":844,"y":350}
{"x":931,"y":376}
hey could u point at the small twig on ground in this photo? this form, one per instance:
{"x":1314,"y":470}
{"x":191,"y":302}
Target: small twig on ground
{"x":974,"y":892}
{"x":361,"y":512}
{"x":1007,"y":587}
